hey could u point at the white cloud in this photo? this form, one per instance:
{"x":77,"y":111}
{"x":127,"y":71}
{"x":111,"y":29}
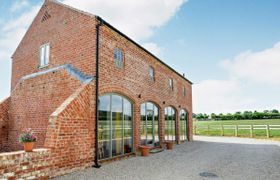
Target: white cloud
{"x":219,"y":96}
{"x":13,"y":31}
{"x":247,"y":72}
{"x":153,"y":48}
{"x":17,"y":5}
{"x":258,"y":67}
{"x":23,"y":20}
{"x":136,"y":18}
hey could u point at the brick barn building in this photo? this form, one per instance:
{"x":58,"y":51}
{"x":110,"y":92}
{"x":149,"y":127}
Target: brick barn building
{"x":68,"y":62}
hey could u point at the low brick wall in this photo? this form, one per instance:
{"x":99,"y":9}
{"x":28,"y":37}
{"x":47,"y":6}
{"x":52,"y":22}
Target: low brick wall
{"x":22,"y":165}
{"x":4,"y":118}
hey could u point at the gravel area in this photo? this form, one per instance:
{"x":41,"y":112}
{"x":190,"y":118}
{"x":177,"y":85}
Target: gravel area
{"x":205,"y":158}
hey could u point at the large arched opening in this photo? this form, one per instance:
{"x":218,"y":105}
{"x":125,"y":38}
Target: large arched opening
{"x":115,"y":126}
{"x":149,"y":124}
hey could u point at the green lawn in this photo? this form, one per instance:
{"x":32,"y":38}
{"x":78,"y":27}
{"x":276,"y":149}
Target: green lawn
{"x":215,"y":128}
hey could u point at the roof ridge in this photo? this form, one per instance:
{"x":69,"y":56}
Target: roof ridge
{"x":122,"y":34}
{"x":73,"y":8}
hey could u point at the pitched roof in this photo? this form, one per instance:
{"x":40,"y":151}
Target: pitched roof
{"x":122,"y":34}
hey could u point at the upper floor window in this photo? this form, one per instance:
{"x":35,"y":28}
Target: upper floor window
{"x":171,"y":84}
{"x":118,"y":57}
{"x":44,"y":55}
{"x":184,"y":91}
{"x":152,"y":73}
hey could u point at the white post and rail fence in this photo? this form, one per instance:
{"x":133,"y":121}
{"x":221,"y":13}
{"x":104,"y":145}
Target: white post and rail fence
{"x":236,"y":128}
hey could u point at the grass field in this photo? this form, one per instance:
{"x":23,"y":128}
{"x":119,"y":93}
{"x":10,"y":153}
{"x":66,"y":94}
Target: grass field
{"x":201,"y":128}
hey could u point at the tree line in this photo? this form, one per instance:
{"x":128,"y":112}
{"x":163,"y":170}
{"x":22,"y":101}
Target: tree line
{"x":273,"y":114}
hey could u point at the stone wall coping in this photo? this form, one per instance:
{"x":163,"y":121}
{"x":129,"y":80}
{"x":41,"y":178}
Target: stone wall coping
{"x":39,"y":150}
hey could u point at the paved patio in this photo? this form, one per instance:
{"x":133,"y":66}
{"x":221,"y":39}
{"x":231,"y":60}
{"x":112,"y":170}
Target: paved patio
{"x":205,"y":158}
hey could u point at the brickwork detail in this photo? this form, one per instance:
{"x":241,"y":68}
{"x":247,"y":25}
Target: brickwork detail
{"x":33,"y":100}
{"x":4,"y":119}
{"x":70,"y":133}
{"x":22,"y":165}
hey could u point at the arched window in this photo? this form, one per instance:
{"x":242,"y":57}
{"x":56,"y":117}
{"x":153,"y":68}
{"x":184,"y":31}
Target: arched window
{"x":170,"y":130}
{"x":183,"y":125}
{"x":149,"y":124}
{"x":115,"y":126}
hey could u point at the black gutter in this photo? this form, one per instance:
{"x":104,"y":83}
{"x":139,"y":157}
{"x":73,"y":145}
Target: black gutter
{"x":139,"y":46}
{"x":96,"y":163}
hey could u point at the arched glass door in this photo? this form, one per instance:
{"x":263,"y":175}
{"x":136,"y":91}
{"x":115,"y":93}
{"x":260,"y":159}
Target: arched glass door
{"x":115,"y":126}
{"x":149,"y":124}
{"x":183,"y":125}
{"x":170,"y":124}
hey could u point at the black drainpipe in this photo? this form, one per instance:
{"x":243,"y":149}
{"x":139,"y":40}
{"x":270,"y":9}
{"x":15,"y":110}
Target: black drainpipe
{"x":96,"y":163}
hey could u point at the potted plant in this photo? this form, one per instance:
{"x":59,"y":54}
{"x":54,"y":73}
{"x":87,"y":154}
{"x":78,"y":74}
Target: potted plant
{"x":145,"y":150}
{"x":169,"y":145}
{"x":28,"y":139}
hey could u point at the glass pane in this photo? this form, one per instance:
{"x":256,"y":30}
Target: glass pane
{"x":173,"y":126}
{"x":42,"y":55}
{"x":143,"y":124}
{"x":150,"y":127}
{"x":47,"y":55}
{"x":117,"y":116}
{"x":166,"y":123}
{"x":104,"y":128}
{"x":150,"y":106}
{"x":182,"y":126}
{"x":156,"y":125}
{"x":170,"y":131}
{"x":187,"y":125}
{"x":151,"y":73}
{"x":127,"y":110}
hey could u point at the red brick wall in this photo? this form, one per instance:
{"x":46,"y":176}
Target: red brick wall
{"x":72,"y":41}
{"x":4,"y":118}
{"x":70,"y":134}
{"x":133,"y":80}
{"x":70,"y":130}
{"x":33,"y":100}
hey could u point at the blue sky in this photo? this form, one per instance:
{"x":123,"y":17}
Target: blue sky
{"x":229,"y":48}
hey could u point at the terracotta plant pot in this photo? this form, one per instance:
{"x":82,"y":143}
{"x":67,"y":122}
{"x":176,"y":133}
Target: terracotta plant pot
{"x":169,"y":145}
{"x":145,"y":150}
{"x":28,"y":146}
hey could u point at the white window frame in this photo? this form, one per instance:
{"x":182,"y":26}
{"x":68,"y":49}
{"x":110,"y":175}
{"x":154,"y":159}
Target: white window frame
{"x":44,"y":58}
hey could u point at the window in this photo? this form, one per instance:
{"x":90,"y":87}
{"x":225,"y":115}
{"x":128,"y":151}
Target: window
{"x":184,"y":91}
{"x":171,"y":84}
{"x":169,"y":127}
{"x":149,"y":124}
{"x":152,"y":74}
{"x":44,"y":55}
{"x":115,"y":126}
{"x":183,"y":125}
{"x":118,"y":57}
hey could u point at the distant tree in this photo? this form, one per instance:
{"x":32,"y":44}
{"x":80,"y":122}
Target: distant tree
{"x":213,"y":116}
{"x":237,"y":115}
{"x":266,"y":114}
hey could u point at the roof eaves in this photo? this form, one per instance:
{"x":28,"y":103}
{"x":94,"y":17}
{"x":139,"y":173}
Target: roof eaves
{"x":139,"y":46}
